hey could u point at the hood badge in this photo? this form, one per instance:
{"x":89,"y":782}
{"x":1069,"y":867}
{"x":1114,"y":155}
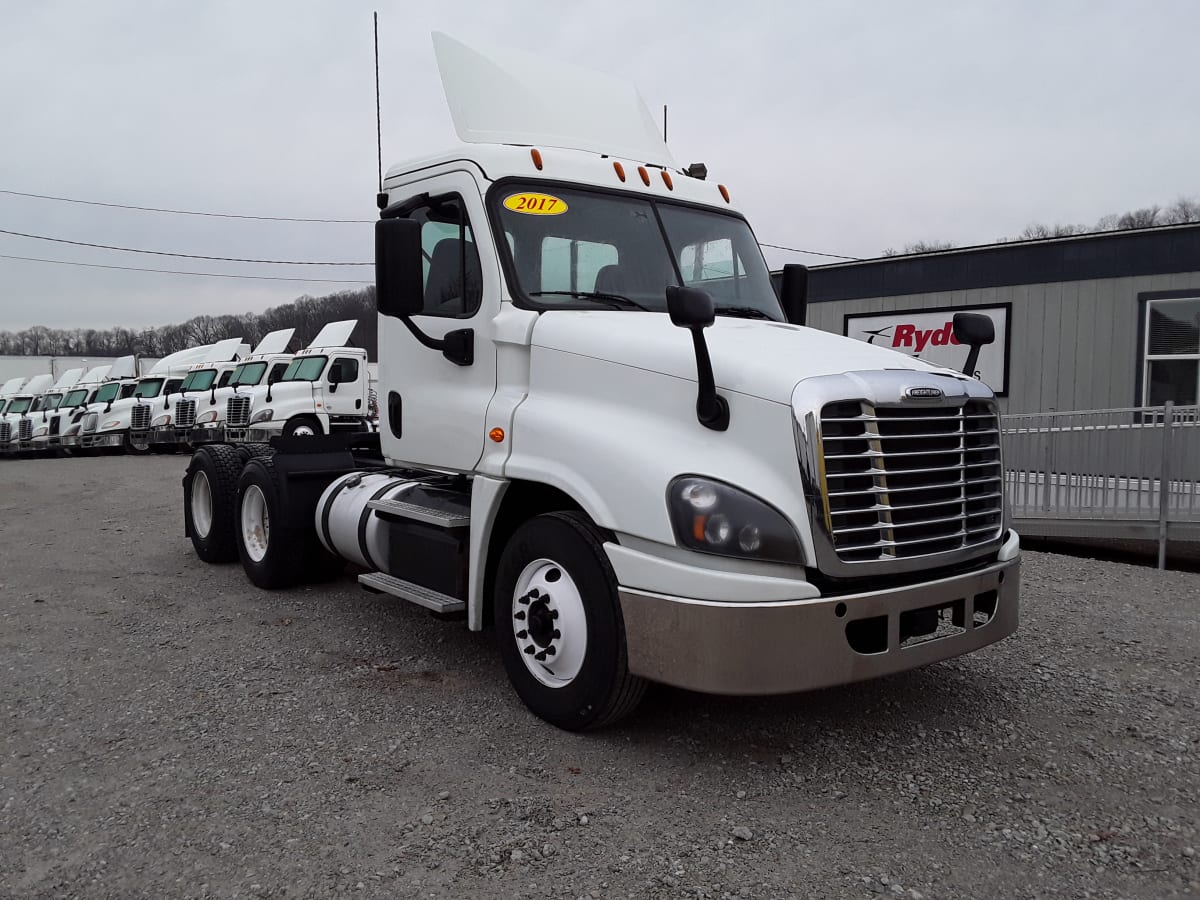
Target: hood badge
{"x":923,"y":393}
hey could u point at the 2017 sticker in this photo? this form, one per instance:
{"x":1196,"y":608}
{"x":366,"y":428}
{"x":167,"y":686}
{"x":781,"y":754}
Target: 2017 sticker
{"x":531,"y":204}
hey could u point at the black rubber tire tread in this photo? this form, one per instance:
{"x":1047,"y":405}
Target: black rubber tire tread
{"x":285,"y":563}
{"x":606,"y":696}
{"x":255,"y":450}
{"x":128,"y":447}
{"x":222,"y":466}
{"x":290,"y":425}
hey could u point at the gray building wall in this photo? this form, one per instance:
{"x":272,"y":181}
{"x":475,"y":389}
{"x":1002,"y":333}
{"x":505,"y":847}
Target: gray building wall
{"x":1073,"y":344}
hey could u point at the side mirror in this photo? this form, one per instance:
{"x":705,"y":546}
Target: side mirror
{"x":692,"y":308}
{"x":975,"y":330}
{"x":793,"y":293}
{"x":399,"y":288}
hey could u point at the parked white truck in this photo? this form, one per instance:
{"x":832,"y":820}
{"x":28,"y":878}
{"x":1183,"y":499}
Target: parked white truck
{"x":602,"y":436}
{"x":120,"y":381}
{"x":325,"y":389}
{"x":265,"y":365}
{"x":48,"y":433}
{"x":39,"y":395}
{"x":124,"y":425}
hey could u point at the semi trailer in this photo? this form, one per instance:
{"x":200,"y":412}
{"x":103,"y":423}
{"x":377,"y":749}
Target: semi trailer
{"x":605,"y":437}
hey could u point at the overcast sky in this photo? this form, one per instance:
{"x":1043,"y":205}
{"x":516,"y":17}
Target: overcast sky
{"x":840,"y":127}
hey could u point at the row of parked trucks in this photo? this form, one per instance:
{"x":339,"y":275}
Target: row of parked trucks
{"x":225,"y":391}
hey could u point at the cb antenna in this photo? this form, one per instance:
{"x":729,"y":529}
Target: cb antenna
{"x":380,"y":198}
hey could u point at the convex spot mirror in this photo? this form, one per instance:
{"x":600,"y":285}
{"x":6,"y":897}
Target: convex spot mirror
{"x":974,"y":329}
{"x":399,"y":285}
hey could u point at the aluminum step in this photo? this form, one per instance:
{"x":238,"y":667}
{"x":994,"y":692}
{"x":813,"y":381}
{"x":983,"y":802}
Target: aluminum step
{"x":418,"y":513}
{"x":414,"y":593}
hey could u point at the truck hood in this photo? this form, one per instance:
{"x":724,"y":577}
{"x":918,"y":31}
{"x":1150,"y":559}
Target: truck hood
{"x":749,"y":356}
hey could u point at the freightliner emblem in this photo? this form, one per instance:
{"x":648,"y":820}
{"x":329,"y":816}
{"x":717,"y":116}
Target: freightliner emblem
{"x":923,"y":393}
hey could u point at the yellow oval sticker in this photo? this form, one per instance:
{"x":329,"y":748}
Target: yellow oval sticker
{"x":532,"y":204}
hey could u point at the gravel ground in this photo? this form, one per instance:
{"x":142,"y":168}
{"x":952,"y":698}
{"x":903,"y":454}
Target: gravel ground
{"x":170,"y":731}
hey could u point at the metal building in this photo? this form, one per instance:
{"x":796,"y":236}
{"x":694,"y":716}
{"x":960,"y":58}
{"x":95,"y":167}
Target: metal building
{"x":1096,"y":321}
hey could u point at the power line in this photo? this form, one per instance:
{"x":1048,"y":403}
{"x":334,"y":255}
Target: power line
{"x":186,"y":212}
{"x":810,"y":252}
{"x":273,"y":262}
{"x":64,"y":262}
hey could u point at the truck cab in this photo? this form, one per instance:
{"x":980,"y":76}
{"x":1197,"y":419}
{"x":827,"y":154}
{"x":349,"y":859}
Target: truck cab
{"x":265,"y":365}
{"x":75,"y":387}
{"x":173,"y":427}
{"x":16,"y":425}
{"x":605,"y":436}
{"x":325,"y":389}
{"x":117,"y":383}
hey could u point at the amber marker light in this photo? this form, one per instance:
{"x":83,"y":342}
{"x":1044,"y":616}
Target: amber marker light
{"x":619,"y":169}
{"x":698,"y":525}
{"x":536,"y":155}
{"x":724,"y":192}
{"x":496,"y":434}
{"x":645,"y":175}
{"x":667,"y":180}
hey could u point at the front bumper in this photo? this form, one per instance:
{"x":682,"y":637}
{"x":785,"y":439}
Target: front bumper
{"x":169,"y":434}
{"x":776,"y":647}
{"x":103,"y":439}
{"x":208,"y":434}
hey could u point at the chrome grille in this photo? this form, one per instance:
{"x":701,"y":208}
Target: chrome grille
{"x":901,"y":482}
{"x":139,"y":418}
{"x":237,"y":411}
{"x":25,"y":430}
{"x":185,"y":413}
{"x":5,"y":432}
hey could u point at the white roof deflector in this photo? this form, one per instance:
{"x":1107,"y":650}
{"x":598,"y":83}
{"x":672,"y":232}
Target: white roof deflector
{"x":513,"y":97}
{"x":38,"y":385}
{"x":95,"y":375}
{"x":11,"y":386}
{"x":69,"y":378}
{"x":275,"y":342}
{"x":226,"y":350}
{"x":124,"y":367}
{"x":335,"y":334}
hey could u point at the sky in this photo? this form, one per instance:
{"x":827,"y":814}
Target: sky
{"x":839,"y":127}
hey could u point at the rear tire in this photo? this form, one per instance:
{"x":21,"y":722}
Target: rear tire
{"x":209,"y":502}
{"x":559,"y":624}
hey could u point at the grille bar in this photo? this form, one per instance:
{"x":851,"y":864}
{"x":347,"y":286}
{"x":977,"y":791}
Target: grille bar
{"x":139,"y":417}
{"x":237,"y":411}
{"x":185,"y":413}
{"x":24,"y":430}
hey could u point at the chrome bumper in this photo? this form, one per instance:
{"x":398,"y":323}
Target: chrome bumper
{"x":168,"y":434}
{"x":208,"y":434}
{"x":748,"y":647}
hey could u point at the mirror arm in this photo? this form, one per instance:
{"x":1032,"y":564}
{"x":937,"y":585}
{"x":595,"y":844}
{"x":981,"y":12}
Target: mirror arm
{"x":972,"y":360}
{"x":457,"y":346}
{"x":711,"y":408}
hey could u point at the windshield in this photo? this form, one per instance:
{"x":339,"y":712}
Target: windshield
{"x":47,"y":402}
{"x":305,"y":368}
{"x":20,"y":405}
{"x":623,"y":251}
{"x":200,"y":380}
{"x":73,"y":399}
{"x":249,"y":373}
{"x":149,"y":387}
{"x":106,"y":393}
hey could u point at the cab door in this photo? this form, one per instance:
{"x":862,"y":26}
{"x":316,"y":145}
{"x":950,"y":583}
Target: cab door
{"x":432,"y":410}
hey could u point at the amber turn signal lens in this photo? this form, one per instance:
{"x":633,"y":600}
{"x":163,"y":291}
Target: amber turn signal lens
{"x":496,"y":434}
{"x":536,"y":155}
{"x":619,"y":169}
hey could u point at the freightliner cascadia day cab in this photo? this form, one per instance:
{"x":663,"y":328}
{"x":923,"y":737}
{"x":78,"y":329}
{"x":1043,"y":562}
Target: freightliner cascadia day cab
{"x":48,"y":433}
{"x":119,"y":382}
{"x":265,"y":365}
{"x":16,"y":426}
{"x":324,"y":390}
{"x":172,"y":427}
{"x":601,"y":437}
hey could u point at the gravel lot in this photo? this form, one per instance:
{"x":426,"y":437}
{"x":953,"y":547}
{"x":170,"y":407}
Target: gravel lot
{"x":170,"y":731}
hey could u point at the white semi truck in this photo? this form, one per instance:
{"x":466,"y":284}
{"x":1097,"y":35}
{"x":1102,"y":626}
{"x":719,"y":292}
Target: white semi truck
{"x":48,"y":433}
{"x":16,"y":427}
{"x":325,"y":389}
{"x":124,"y":424}
{"x":265,"y":365}
{"x":119,"y":382}
{"x":605,"y":437}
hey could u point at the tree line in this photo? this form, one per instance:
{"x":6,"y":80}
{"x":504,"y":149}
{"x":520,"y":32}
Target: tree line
{"x":306,"y":314}
{"x":1181,"y":212}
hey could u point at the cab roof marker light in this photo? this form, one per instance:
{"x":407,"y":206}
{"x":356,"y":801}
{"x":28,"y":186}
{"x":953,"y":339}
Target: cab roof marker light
{"x":536,"y":155}
{"x":619,"y":169}
{"x":666,"y":177}
{"x":724,"y":192}
{"x":645,"y":175}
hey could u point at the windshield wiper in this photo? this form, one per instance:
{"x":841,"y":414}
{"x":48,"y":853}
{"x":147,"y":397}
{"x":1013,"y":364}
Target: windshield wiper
{"x":742,"y":312}
{"x":616,"y":301}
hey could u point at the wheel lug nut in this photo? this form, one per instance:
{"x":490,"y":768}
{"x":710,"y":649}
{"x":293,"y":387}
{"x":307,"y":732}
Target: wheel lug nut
{"x":522,"y":634}
{"x":540,"y":656}
{"x":554,"y":613}
{"x":557,"y":634}
{"x":529,"y":649}
{"x":519,"y":614}
{"x":550,"y":651}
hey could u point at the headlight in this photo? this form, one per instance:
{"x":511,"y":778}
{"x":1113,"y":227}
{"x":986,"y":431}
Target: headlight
{"x":713,"y":517}
{"x":263,"y":415}
{"x":161,"y":420}
{"x":111,"y":423}
{"x":210,"y":416}
{"x":44,"y":429}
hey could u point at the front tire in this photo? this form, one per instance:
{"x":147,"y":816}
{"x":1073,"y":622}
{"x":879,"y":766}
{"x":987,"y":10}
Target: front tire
{"x":135,"y":446}
{"x":210,"y":502}
{"x":559,"y":624}
{"x":302,"y":426}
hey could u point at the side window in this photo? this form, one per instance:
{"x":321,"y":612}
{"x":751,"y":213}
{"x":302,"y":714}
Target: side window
{"x":571,"y":265}
{"x":1172,"y":355}
{"x":277,"y":371}
{"x":224,"y":379}
{"x":127,"y":390}
{"x":453,"y":278}
{"x":348,"y":368}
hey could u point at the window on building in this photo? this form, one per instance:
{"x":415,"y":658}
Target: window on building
{"x":1172,"y":352}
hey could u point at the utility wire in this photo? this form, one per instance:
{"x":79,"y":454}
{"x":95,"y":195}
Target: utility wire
{"x":273,"y":262}
{"x":186,"y":212}
{"x":64,"y":262}
{"x":810,"y":252}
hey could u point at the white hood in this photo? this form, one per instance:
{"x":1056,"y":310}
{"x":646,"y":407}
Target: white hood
{"x":749,"y":356}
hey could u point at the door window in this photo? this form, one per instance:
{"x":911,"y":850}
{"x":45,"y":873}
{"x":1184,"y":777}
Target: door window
{"x":452,"y":276}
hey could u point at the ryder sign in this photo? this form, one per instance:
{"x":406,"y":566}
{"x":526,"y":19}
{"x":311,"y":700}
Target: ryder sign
{"x":929,"y":334}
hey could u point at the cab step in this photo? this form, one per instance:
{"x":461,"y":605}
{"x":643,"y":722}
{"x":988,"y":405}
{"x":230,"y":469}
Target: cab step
{"x":400,"y":509}
{"x":440,"y":603}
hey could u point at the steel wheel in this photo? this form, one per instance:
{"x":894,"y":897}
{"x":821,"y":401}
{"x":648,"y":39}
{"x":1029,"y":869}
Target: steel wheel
{"x":202,"y":504}
{"x":256,"y":523}
{"x":549,"y":623}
